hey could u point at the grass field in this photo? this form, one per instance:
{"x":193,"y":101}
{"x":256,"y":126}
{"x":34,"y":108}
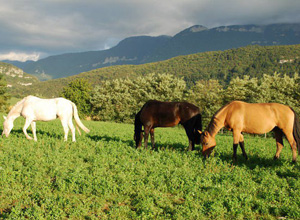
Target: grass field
{"x":102,"y":176}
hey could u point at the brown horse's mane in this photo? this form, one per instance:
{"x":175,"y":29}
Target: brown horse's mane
{"x":213,"y":124}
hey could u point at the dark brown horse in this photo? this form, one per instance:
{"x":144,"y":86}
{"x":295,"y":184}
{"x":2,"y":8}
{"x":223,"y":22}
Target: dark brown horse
{"x":258,"y":118}
{"x":167,"y":114}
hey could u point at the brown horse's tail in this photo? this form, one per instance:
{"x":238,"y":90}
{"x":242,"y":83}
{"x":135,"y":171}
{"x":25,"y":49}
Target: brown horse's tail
{"x":198,"y":126}
{"x":296,"y":131}
{"x":137,"y":128}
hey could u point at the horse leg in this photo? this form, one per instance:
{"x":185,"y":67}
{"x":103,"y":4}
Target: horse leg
{"x":146,"y":136}
{"x":242,"y":146}
{"x":139,"y":141}
{"x":191,"y":136}
{"x":293,"y":144}
{"x":236,"y":140}
{"x":279,"y":142}
{"x":26,"y":125}
{"x":72,"y":128}
{"x":33,"y":127}
{"x":235,"y":146}
{"x":191,"y":145}
{"x":66,"y":128}
{"x":152,"y":138}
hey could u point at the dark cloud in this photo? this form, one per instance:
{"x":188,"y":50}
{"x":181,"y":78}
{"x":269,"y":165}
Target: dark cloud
{"x":49,"y":27}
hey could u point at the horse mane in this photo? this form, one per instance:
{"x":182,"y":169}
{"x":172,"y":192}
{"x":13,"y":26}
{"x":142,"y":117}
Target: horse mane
{"x":213,"y":124}
{"x":16,"y":105}
{"x":138,"y":127}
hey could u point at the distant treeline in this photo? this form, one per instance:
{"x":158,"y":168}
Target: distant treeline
{"x":253,"y":61}
{"x":120,"y":99}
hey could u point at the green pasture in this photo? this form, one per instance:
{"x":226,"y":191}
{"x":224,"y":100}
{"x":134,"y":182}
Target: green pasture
{"x":103,"y":176}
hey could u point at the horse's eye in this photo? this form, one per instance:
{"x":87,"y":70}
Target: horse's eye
{"x":206,"y":143}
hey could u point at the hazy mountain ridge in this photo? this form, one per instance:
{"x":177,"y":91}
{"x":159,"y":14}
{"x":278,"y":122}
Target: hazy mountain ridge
{"x":254,"y":61}
{"x":201,"y":39}
{"x":131,"y":50}
{"x":146,"y":49}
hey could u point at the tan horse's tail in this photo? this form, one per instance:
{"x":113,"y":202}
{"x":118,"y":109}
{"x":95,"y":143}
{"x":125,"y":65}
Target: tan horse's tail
{"x":296,"y":131}
{"x":77,"y":120}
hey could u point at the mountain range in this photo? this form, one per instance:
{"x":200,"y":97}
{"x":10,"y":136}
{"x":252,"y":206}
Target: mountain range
{"x":146,"y":49}
{"x":253,"y":61}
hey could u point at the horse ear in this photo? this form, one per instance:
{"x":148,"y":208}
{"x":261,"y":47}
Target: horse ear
{"x":200,"y":132}
{"x":4,"y":117}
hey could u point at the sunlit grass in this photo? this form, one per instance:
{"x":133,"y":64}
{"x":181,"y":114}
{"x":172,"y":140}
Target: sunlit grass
{"x":103,"y":176}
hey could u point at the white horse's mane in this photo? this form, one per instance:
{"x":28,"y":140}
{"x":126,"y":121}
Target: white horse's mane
{"x":16,"y":105}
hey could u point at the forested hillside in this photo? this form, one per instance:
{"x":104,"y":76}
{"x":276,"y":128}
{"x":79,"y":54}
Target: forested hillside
{"x":16,"y":79}
{"x":254,"y":61}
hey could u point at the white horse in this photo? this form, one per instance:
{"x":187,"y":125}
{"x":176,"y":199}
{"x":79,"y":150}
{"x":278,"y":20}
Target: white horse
{"x":35,"y":109}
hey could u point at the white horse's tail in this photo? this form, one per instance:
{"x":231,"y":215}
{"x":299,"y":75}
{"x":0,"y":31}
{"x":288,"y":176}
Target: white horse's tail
{"x":77,"y":120}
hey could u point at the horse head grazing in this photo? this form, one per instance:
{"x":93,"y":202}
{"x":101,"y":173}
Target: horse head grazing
{"x":7,"y":126}
{"x":208,"y":143}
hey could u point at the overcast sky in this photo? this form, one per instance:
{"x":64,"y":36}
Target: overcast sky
{"x":33,"y":29}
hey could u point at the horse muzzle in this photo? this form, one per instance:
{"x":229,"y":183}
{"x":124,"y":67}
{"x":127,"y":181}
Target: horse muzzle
{"x":206,"y":153}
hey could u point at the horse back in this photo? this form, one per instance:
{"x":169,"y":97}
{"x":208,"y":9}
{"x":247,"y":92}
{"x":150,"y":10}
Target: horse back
{"x":167,"y":114}
{"x":258,"y":117}
{"x":187,"y":111}
{"x":45,"y":109}
{"x":159,"y":114}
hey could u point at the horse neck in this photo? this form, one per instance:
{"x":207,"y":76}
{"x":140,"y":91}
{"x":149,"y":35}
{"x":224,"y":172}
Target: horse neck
{"x":217,"y":122}
{"x":15,"y":112}
{"x":12,"y":117}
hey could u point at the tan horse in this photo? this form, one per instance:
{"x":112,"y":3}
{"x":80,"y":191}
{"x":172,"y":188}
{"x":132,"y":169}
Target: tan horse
{"x":258,"y":118}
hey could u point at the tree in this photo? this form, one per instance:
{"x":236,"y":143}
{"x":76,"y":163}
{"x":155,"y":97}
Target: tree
{"x":245,"y":89}
{"x":3,"y":93}
{"x":121,"y":99}
{"x":284,"y":90}
{"x":79,"y":92}
{"x":208,"y":96}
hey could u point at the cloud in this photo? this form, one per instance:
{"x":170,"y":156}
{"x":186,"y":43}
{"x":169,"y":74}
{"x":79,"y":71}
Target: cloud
{"x":53,"y":27}
{"x":20,"y":56}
